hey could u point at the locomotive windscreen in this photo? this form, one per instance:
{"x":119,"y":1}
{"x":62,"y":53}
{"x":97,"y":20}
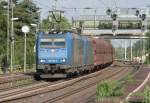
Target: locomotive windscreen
{"x":52,"y":42}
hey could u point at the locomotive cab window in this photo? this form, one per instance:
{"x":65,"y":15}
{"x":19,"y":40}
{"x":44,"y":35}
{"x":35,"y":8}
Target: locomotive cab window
{"x":46,"y":42}
{"x":53,"y":42}
{"x":59,"y":42}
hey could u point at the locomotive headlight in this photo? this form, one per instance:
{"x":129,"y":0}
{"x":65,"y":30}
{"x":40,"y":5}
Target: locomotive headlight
{"x":42,"y":60}
{"x":63,"y":60}
{"x":52,"y":50}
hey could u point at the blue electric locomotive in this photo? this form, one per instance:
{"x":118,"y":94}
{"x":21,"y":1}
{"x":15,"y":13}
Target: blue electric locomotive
{"x":60,"y":55}
{"x":68,"y":54}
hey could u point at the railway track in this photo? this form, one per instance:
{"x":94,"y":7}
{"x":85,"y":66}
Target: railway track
{"x":15,"y":80}
{"x":59,"y":99}
{"x":37,"y":90}
{"x":14,"y":77}
{"x":12,"y":94}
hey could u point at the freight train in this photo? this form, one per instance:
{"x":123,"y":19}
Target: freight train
{"x":69,"y":54}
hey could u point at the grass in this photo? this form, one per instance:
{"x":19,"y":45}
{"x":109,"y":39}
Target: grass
{"x":23,"y":82}
{"x":145,"y":95}
{"x":108,"y":89}
{"x":147,"y":61}
{"x":18,"y":70}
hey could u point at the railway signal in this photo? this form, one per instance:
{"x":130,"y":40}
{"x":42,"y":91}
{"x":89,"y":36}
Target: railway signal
{"x":114,"y":17}
{"x":143,"y":20}
{"x":137,"y":12}
{"x":108,"y":12}
{"x":114,"y":23}
{"x":143,"y":17}
{"x":114,"y":20}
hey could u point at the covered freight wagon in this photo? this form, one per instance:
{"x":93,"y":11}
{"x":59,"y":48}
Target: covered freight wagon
{"x":103,"y":52}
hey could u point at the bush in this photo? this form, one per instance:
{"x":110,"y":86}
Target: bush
{"x":108,"y":89}
{"x":146,"y":95}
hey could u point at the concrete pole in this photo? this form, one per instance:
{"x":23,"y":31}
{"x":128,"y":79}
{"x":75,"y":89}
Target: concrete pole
{"x":8,"y":25}
{"x":94,"y":18}
{"x":131,"y":49}
{"x":114,"y":33}
{"x":12,"y":37}
{"x":38,"y":24}
{"x":125,"y":50}
{"x":122,"y":56}
{"x":143,"y":47}
{"x":144,"y":55}
{"x":25,"y":43}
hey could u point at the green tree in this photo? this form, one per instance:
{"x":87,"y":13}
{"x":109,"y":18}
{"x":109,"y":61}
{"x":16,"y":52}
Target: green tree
{"x":137,"y":48}
{"x":3,"y":29}
{"x":50,"y":23}
{"x":27,"y":12}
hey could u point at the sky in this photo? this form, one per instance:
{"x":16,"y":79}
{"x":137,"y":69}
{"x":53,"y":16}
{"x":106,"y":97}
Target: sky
{"x":100,"y":5}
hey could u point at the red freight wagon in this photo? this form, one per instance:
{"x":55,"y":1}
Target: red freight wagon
{"x":102,"y":52}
